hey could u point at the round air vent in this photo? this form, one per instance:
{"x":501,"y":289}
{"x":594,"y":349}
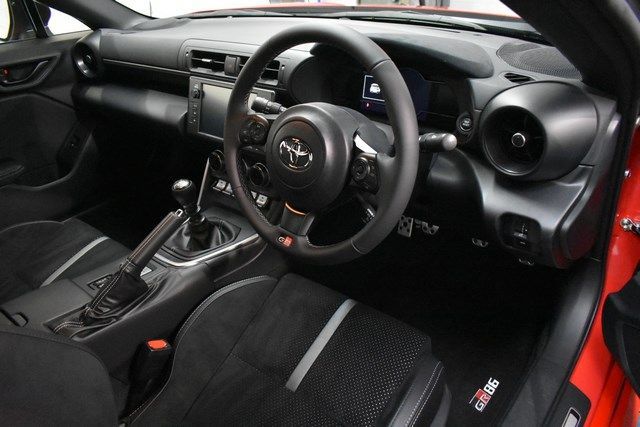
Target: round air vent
{"x":85,"y":60}
{"x":517,"y":141}
{"x":538,"y":131}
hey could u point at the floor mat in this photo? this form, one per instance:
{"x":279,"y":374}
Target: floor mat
{"x":483,"y":310}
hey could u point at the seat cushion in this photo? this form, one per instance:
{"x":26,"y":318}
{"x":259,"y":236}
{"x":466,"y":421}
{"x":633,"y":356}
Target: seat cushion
{"x":36,"y":254}
{"x":48,"y":380}
{"x":292,"y":352}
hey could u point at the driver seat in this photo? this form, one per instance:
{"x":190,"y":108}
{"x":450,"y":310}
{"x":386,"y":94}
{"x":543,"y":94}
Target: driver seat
{"x":261,"y":351}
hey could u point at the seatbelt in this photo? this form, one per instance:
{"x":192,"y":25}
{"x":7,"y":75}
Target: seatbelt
{"x":147,"y":369}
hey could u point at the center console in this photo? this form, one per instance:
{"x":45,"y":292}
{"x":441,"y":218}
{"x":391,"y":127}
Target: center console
{"x":189,"y":255}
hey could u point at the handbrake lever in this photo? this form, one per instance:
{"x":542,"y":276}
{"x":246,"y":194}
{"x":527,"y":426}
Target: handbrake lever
{"x":142,"y":254}
{"x":124,"y":287}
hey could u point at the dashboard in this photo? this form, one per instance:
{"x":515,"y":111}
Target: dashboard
{"x":534,"y":142}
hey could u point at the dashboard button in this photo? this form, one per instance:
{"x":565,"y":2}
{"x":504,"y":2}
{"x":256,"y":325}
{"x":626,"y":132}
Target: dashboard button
{"x":262,"y":200}
{"x":465,"y":123}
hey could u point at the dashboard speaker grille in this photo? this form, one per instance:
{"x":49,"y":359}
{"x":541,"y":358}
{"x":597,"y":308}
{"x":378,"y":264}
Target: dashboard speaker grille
{"x":539,"y":59}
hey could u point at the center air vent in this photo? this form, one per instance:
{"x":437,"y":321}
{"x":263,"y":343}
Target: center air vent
{"x":517,"y":78}
{"x":229,"y":65}
{"x":203,"y":61}
{"x":539,"y":131}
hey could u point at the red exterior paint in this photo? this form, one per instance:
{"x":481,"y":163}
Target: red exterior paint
{"x":596,"y":374}
{"x":628,"y":409}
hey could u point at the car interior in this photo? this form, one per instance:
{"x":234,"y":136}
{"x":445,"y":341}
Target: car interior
{"x":244,"y":217}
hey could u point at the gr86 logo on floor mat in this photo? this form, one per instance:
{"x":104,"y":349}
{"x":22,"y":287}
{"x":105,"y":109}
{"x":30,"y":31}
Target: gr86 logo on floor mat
{"x":481,"y":399}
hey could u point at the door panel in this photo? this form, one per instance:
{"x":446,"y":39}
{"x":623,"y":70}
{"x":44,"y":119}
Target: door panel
{"x":47,"y":157}
{"x":34,"y":137}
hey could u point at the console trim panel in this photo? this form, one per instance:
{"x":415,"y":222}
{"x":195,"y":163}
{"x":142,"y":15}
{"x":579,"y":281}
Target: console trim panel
{"x":224,"y":250}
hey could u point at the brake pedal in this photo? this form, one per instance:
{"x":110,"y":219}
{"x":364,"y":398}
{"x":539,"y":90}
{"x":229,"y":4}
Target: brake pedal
{"x":405,"y":226}
{"x":429,"y":229}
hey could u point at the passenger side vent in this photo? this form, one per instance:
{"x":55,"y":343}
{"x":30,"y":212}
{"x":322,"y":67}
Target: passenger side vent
{"x":228,"y":65}
{"x":517,"y":78}
{"x":85,"y":60}
{"x":524,"y":138}
{"x":516,"y":141}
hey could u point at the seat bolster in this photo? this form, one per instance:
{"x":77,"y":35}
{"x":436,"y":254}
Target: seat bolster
{"x":50,"y":380}
{"x":203,"y":342}
{"x":422,"y":396}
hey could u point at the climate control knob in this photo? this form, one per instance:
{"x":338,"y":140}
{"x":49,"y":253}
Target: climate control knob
{"x":258,"y":175}
{"x":216,"y":161}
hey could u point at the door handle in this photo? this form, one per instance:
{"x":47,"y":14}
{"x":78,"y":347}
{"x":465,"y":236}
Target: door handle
{"x":6,"y":73}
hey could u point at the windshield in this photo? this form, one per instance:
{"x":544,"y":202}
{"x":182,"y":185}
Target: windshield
{"x":469,"y":8}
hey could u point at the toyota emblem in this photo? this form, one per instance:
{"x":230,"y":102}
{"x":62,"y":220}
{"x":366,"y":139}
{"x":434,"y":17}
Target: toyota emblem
{"x":295,"y":154}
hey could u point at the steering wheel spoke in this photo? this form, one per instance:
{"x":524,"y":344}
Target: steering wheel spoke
{"x":295,"y":221}
{"x":254,"y":129}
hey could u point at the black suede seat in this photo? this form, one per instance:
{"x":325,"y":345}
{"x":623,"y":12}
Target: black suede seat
{"x":237,"y":353}
{"x":280,"y":352}
{"x":36,"y":254}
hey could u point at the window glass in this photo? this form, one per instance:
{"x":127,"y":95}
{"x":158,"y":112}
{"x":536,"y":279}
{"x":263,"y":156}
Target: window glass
{"x":5,"y":20}
{"x":14,"y":22}
{"x":59,"y":22}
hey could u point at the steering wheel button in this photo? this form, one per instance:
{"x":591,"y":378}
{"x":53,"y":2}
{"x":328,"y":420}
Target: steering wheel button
{"x":257,"y":132}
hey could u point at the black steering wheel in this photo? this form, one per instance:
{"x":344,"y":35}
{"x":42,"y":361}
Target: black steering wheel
{"x":314,"y":150}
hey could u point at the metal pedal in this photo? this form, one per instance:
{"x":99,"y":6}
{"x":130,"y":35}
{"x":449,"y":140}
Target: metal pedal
{"x":429,"y":229}
{"x":480,"y":243}
{"x":405,"y":226}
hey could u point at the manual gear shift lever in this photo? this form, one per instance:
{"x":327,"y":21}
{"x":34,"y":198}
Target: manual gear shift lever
{"x":200,"y":233}
{"x":186,"y":194}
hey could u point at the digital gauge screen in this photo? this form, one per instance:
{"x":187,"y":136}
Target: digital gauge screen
{"x":373,"y":100}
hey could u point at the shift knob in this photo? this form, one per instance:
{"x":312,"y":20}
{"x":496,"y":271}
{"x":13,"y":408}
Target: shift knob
{"x":186,"y":194}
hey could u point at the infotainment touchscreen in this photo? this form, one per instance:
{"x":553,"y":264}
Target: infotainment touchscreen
{"x":214,"y":108}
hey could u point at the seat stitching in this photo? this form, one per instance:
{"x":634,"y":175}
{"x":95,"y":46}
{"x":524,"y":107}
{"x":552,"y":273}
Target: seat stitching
{"x":404,"y":399}
{"x":428,"y":397}
{"x":422,"y":395}
{"x":65,"y":324}
{"x":106,"y":289}
{"x":413,"y":385}
{"x":209,"y":300}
